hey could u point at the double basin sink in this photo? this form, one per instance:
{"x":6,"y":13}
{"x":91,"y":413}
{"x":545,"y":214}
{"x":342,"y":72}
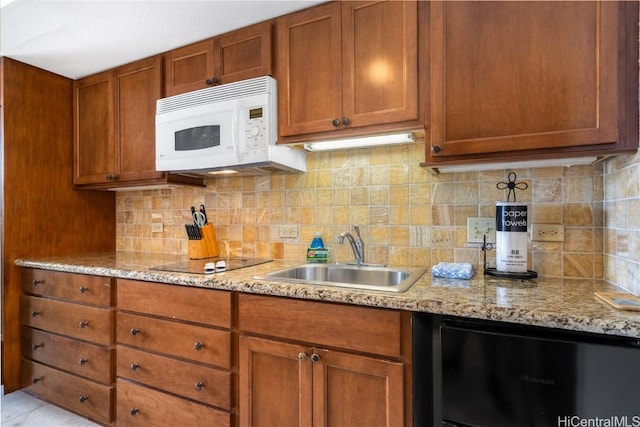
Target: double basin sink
{"x":363,"y":276}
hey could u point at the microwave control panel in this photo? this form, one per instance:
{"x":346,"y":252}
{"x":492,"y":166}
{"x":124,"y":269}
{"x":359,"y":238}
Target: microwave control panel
{"x":256,"y":135}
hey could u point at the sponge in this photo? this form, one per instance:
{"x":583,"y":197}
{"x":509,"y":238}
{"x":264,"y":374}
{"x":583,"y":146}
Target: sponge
{"x":453,"y":270}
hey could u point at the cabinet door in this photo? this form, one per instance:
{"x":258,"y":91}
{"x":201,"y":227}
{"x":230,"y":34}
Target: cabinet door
{"x":188,"y":68}
{"x":351,"y":390}
{"x":380,"y":62}
{"x":95,"y":155}
{"x":309,"y":70}
{"x":138,"y":86}
{"x":511,"y":76}
{"x":274,"y":383}
{"x":244,"y":54}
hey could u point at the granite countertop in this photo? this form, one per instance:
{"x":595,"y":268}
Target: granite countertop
{"x":556,"y":303}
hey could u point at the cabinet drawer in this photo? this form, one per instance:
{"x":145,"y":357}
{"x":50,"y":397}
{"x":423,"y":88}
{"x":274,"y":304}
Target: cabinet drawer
{"x":140,"y":406}
{"x":196,"y":382}
{"x":81,"y":358}
{"x":78,"y":321}
{"x":197,"y":305}
{"x":73,"y":287}
{"x":182,"y":340}
{"x":83,"y":396}
{"x":369,"y":330}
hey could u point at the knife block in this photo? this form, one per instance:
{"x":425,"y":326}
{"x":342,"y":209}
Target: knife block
{"x":207,"y":247}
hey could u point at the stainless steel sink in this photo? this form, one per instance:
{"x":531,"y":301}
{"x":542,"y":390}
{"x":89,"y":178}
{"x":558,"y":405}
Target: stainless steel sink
{"x":392,"y":279}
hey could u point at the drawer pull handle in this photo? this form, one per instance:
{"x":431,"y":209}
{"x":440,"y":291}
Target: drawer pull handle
{"x":133,"y":412}
{"x":35,"y":313}
{"x":134,"y":331}
{"x":84,"y":324}
{"x":302,"y":356}
{"x":134,"y":366}
{"x":83,"y":289}
{"x":83,"y":361}
{"x":36,"y":282}
{"x":198,"y":386}
{"x":36,"y":379}
{"x":36,"y":346}
{"x":83,"y":399}
{"x":199,"y":346}
{"x":315,"y":358}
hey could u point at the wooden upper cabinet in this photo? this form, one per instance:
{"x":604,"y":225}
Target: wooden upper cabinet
{"x":94,"y":125}
{"x":238,"y":55}
{"x":514,"y":79}
{"x":347,"y":65}
{"x":114,"y":127}
{"x":138,"y":87}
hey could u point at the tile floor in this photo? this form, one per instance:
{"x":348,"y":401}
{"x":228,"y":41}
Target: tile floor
{"x":20,"y":409}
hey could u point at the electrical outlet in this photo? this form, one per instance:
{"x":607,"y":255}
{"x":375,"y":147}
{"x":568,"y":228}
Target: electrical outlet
{"x":547,"y":232}
{"x":288,"y":231}
{"x":156,"y":223}
{"x":477,"y":228}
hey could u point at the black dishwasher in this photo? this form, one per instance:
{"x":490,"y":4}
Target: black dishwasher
{"x":494,"y":374}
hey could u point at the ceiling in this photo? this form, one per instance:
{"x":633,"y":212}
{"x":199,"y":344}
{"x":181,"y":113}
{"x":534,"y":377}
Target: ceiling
{"x":79,"y":38}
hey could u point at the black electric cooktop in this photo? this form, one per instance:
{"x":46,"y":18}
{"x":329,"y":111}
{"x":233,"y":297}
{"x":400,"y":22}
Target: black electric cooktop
{"x":196,"y":266}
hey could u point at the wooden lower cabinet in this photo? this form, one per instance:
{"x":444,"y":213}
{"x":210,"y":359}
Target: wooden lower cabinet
{"x":67,"y":338}
{"x":141,"y":406}
{"x":304,"y":380}
{"x":174,"y":355}
{"x":294,"y":385}
{"x":85,"y":397}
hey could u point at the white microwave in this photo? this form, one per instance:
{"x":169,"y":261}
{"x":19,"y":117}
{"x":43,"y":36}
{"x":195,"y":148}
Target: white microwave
{"x":231,"y":127}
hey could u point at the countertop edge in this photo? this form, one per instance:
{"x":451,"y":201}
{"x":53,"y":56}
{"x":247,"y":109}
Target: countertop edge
{"x":620,"y":325}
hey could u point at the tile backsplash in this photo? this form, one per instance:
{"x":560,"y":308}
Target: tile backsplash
{"x":406,"y":215}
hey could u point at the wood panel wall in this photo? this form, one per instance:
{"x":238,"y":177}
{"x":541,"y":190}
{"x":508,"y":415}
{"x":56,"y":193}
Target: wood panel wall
{"x":43,"y":215}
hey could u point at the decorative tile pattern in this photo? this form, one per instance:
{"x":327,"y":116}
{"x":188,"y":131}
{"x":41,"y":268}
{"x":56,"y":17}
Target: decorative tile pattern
{"x":402,"y":211}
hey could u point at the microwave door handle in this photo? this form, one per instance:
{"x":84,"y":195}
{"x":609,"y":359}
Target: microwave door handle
{"x":238,"y":142}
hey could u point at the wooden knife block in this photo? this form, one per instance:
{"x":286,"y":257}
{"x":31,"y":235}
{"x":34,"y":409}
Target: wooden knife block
{"x":207,"y":247}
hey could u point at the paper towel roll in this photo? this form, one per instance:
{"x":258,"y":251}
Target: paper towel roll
{"x":511,"y":237}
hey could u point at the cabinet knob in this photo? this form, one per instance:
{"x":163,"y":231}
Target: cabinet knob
{"x":134,"y":331}
{"x":315,"y":357}
{"x":111,"y":177}
{"x":36,"y":379}
{"x":84,"y":324}
{"x":199,"y":346}
{"x":35,"y":313}
{"x":134,"y":366}
{"x":83,"y":289}
{"x":36,"y":346}
{"x":302,"y":356}
{"x":198,"y":386}
{"x":212,"y":81}
{"x":336,"y":122}
{"x":345,"y":121}
{"x":83,"y":361}
{"x":35,"y":282}
{"x":133,"y":411}
{"x":436,"y":148}
{"x":83,"y":399}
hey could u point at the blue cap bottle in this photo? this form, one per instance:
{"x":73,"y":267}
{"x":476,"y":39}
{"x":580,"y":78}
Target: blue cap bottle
{"x":317,"y":242}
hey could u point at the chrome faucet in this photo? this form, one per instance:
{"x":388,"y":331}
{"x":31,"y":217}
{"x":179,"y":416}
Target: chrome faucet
{"x":356,"y":244}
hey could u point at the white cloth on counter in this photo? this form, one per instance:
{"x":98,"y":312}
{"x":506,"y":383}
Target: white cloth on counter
{"x":453,"y":270}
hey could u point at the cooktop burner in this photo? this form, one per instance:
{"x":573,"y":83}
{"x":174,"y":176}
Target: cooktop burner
{"x":196,"y":266}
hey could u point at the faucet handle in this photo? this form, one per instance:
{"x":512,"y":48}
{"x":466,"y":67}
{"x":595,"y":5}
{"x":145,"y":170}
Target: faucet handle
{"x":357,"y":228}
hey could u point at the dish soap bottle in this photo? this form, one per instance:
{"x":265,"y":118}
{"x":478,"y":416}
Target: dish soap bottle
{"x":317,"y":242}
{"x":316,"y":252}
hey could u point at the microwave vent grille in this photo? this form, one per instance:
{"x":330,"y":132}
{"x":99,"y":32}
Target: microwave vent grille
{"x":229,"y":91}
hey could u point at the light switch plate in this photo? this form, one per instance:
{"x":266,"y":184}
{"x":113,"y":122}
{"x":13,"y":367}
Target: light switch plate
{"x":477,"y":228}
